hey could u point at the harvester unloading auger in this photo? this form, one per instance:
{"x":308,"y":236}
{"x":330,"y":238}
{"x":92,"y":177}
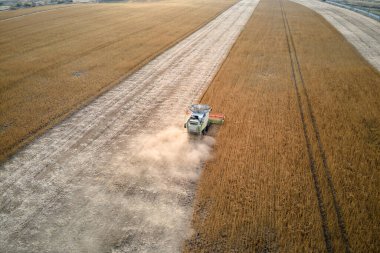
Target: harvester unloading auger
{"x":200,"y":119}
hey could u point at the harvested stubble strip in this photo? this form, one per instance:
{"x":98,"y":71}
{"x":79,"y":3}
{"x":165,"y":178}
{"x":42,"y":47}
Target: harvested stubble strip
{"x":257,"y":193}
{"x":54,"y":62}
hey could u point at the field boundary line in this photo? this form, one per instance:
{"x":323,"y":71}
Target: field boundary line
{"x":365,"y":49}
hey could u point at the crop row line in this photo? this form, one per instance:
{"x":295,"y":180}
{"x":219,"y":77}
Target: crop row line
{"x":298,"y":81}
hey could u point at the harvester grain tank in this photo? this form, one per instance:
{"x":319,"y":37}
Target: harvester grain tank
{"x":200,"y":119}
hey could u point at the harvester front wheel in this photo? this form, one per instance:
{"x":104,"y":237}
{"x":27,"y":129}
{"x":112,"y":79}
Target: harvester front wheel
{"x":204,"y":132}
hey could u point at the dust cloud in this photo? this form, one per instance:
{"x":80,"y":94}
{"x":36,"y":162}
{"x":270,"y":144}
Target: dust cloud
{"x":174,"y":152}
{"x":153,"y":186}
{"x":135,"y":196}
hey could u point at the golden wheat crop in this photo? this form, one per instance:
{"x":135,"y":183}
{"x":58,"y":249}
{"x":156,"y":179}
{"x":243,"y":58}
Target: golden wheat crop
{"x":296,"y":164}
{"x":53,"y":62}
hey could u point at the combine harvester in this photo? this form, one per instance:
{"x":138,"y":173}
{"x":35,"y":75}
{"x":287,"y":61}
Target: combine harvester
{"x":200,"y":119}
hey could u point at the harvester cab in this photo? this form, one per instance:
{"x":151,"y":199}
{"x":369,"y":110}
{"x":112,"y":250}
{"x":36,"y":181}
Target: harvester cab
{"x":200,"y":119}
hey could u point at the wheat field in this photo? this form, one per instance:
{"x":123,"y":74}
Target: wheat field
{"x":53,"y":62}
{"x":296,"y":164}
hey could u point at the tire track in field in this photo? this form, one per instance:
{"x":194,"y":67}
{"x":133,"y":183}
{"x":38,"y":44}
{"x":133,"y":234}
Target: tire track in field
{"x":326,"y":168}
{"x":321,"y":206}
{"x":299,"y":82}
{"x":80,"y":187}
